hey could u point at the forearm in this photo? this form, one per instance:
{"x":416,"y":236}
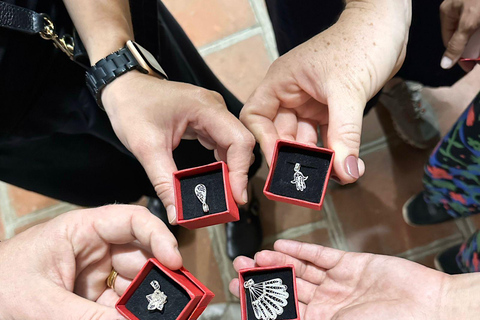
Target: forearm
{"x":103,"y":25}
{"x":461,"y":298}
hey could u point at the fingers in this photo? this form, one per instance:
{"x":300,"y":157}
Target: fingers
{"x":157,"y":160}
{"x":75,"y":307}
{"x":303,"y":270}
{"x":236,"y":143}
{"x":128,"y":259}
{"x":344,"y":131}
{"x":286,"y":124}
{"x":121,"y":224}
{"x":458,"y":25}
{"x":307,"y":131}
{"x":322,"y":257}
{"x":258,"y":115}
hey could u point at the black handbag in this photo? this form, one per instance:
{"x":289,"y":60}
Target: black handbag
{"x":30,"y":22}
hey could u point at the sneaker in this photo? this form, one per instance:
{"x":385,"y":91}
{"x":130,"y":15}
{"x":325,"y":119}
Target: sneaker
{"x":417,"y":212}
{"x":244,"y":237}
{"x":413,"y":117}
{"x":446,"y":261}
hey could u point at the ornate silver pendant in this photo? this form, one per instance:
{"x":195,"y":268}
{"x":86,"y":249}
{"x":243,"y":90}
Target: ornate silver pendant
{"x":157,"y":299}
{"x":298,"y":178}
{"x":268,"y":298}
{"x":201,"y":193}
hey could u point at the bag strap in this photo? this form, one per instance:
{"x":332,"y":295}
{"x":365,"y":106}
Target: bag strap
{"x":20,"y":19}
{"x":28,"y":21}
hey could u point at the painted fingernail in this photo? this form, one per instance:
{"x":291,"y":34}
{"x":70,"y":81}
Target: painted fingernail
{"x":172,"y":213}
{"x":446,"y":63}
{"x":245,"y":196}
{"x":351,"y":165}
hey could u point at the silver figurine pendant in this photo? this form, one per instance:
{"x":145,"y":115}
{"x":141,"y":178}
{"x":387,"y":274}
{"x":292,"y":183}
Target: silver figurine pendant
{"x":157,"y":299}
{"x":268,"y":298}
{"x":201,"y":193}
{"x":298,"y":178}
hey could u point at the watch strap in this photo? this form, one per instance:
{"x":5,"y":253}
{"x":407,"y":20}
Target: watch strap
{"x":108,"y":69}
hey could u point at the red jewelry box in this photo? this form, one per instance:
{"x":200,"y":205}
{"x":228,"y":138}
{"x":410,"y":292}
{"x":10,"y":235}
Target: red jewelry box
{"x":276,"y":271}
{"x":229,"y":211}
{"x":278,"y":188}
{"x":199,"y":295}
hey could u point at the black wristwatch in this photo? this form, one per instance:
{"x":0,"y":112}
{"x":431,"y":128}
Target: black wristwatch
{"x":131,"y":57}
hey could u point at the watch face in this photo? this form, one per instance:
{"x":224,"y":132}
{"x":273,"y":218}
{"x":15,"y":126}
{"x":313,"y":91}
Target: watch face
{"x":146,"y":59}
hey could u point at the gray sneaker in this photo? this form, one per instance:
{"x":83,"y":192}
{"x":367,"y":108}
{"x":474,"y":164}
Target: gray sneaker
{"x":413,"y":117}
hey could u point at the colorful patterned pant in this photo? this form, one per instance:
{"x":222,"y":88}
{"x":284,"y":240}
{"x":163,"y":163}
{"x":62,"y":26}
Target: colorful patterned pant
{"x":452,"y":177}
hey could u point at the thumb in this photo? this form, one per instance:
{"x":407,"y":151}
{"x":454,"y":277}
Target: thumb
{"x":455,"y":48}
{"x":343,"y":136}
{"x":159,"y":165}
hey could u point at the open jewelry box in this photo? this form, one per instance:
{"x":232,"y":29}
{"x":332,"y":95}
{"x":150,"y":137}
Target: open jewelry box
{"x":268,"y":293}
{"x":171,"y":295}
{"x":299,"y":174}
{"x":203,"y":196}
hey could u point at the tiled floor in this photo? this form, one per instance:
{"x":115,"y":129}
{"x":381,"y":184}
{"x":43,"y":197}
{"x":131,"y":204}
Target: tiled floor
{"x":236,"y":40}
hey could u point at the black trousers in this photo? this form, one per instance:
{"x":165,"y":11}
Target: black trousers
{"x":296,"y":21}
{"x":62,"y":145}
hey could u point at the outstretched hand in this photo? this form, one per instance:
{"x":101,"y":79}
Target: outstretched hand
{"x":57,"y":270}
{"x":333,"y":284}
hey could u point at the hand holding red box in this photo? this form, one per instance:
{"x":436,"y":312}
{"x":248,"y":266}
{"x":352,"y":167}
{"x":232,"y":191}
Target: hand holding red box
{"x":299,"y":174}
{"x":203,"y":196}
{"x":160,"y":293}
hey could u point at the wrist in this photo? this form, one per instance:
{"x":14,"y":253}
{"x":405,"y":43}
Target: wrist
{"x":460,"y":297}
{"x":99,"y":48}
{"x":112,"y":93}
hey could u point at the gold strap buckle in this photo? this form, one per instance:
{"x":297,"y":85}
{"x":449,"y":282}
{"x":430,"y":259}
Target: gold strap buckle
{"x":65,"y":43}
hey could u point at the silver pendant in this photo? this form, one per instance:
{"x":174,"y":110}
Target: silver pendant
{"x":268,"y":298}
{"x":298,"y":178}
{"x":157,"y":299}
{"x":201,"y":193}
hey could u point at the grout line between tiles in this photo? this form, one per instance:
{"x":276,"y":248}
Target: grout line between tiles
{"x":471,"y":226}
{"x":431,"y":248}
{"x":335,"y":230}
{"x":261,"y":14}
{"x":227,"y":273}
{"x":465,"y":227}
{"x":373,"y":146}
{"x":8,"y":214}
{"x":42,"y":214}
{"x":296,"y":232}
{"x":229,"y":40}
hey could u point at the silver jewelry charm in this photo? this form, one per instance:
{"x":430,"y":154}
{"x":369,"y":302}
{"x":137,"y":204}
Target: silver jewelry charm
{"x":268,"y":298}
{"x":201,"y":193}
{"x":157,"y":299}
{"x":298,"y":178}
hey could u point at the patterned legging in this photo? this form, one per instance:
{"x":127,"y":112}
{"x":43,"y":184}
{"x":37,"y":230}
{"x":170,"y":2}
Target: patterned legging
{"x":452,"y":178}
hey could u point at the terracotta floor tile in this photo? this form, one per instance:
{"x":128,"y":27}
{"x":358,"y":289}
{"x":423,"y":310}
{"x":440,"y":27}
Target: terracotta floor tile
{"x":241,"y":67}
{"x":370,"y":210}
{"x":278,"y":216}
{"x":428,"y":261}
{"x":371,"y":129}
{"x":208,"y":20}
{"x":28,"y":226}
{"x":25,"y":202}
{"x":198,"y":258}
{"x":319,"y":236}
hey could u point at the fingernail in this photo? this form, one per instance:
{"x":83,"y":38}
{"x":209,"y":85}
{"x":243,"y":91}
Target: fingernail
{"x":172,"y":213}
{"x":446,"y":63}
{"x":245,"y":196}
{"x":351,"y":165}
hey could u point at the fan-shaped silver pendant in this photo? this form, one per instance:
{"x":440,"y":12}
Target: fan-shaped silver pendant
{"x":268,"y":298}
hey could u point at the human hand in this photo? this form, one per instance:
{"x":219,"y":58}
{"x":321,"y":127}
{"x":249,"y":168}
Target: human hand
{"x":460,"y":19}
{"x":150,"y":116}
{"x":57,"y":270}
{"x":333,"y":284}
{"x":326,"y":82}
